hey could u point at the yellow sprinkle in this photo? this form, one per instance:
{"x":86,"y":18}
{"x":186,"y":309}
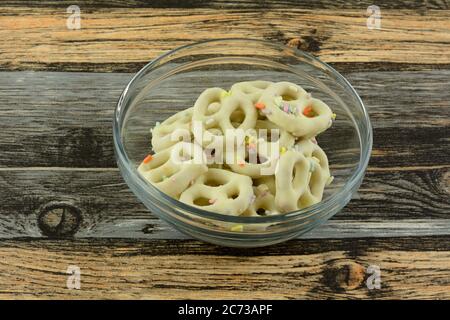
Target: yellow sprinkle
{"x":225,"y":93}
{"x":333,"y":116}
{"x":278,"y":100}
{"x":282,"y":150}
{"x":237,"y":227}
{"x":316,"y":159}
{"x":293,"y":88}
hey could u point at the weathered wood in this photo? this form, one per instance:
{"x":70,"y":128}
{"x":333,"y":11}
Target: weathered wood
{"x":108,"y":208}
{"x":410,"y":268}
{"x":65,"y":119}
{"x":235,"y":4}
{"x":123,"y":39}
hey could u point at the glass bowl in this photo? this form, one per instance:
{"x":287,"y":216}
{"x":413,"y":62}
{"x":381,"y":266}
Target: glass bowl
{"x":172,"y":83}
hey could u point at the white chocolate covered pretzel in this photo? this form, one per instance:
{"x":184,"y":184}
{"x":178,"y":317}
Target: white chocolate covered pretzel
{"x":252,"y":89}
{"x":291,"y":180}
{"x":320,"y":177}
{"x":173,"y":170}
{"x":220,"y":191}
{"x":172,"y":130}
{"x":265,"y":172}
{"x":229,"y":112}
{"x":292,"y":108}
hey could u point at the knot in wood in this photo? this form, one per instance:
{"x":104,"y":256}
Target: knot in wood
{"x":59,"y":219}
{"x":344,"y":275}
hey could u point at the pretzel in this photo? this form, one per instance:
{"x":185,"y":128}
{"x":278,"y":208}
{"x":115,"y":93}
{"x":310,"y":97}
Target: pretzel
{"x":300,"y":180}
{"x":220,"y":191}
{"x":252,"y":89}
{"x":291,"y":180}
{"x":218,"y":109}
{"x":171,"y":130}
{"x":320,"y":177}
{"x":263,"y":204}
{"x":286,"y":105}
{"x":270,"y":136}
{"x":172,"y":174}
{"x":305,"y":146}
{"x":264,"y":174}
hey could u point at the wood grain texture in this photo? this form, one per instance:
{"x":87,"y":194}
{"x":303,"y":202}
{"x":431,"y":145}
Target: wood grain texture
{"x":65,"y":119}
{"x":235,"y":4}
{"x":123,"y":39}
{"x":108,"y":208}
{"x":411,"y":268}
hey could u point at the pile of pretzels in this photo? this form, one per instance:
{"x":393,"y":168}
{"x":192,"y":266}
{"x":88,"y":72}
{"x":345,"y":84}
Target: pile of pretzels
{"x":256,"y":181}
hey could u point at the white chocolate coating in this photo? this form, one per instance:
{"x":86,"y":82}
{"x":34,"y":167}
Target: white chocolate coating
{"x":286,"y":103}
{"x":252,"y":89}
{"x":274,"y":174}
{"x":170,"y":175}
{"x":172,"y":130}
{"x":220,"y":191}
{"x":215,"y":108}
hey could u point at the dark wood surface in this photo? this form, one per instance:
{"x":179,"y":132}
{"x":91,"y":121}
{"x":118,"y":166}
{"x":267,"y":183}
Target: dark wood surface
{"x":58,"y":178}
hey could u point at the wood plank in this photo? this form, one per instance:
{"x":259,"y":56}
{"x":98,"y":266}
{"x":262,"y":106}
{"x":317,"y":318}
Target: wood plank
{"x":410,"y":268}
{"x":235,"y":4}
{"x":123,"y":39}
{"x":64,"y":119}
{"x":105,"y":207}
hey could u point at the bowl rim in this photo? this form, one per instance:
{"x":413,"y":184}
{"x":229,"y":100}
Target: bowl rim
{"x":354,"y":179}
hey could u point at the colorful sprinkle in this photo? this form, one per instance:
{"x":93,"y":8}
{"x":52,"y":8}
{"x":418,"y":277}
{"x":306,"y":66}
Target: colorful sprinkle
{"x":278,"y":100}
{"x":333,"y":116}
{"x":260,"y":105}
{"x":266,"y":111}
{"x":312,"y":166}
{"x":307,"y":111}
{"x":237,"y":227}
{"x":292,"y":109}
{"x":148,"y":158}
{"x":212,"y":201}
{"x":241,"y":164}
{"x":286,"y":107}
{"x":225,"y":93}
{"x":282,"y":150}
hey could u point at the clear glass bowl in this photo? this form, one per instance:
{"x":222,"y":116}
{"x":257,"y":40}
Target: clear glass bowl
{"x":172,"y":83}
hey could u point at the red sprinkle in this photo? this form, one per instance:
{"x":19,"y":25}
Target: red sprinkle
{"x":148,"y":158}
{"x":308,"y":111}
{"x":260,"y":105}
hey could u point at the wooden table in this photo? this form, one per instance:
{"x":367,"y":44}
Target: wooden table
{"x":63,"y":201}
